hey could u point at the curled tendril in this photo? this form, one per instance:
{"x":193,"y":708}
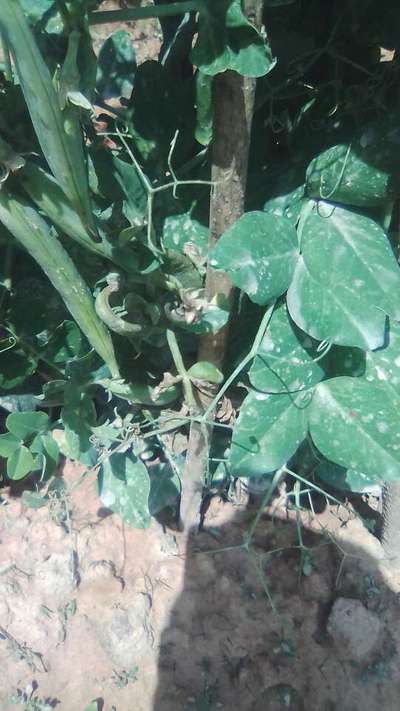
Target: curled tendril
{"x":104,"y":311}
{"x":12,"y":342}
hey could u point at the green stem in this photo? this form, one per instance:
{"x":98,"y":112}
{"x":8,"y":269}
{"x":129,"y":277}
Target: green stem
{"x":180,"y":366}
{"x":8,"y":73}
{"x":144,"y":13}
{"x":266,"y":498}
{"x":252,"y":353}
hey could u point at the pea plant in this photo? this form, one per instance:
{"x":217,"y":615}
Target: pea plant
{"x":199,"y":275}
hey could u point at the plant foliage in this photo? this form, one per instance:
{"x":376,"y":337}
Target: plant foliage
{"x":104,"y":247}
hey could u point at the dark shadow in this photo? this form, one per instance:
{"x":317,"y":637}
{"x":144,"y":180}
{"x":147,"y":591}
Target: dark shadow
{"x":255,"y":631}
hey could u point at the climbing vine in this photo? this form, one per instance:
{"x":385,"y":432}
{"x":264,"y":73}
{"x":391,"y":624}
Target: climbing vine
{"x":199,"y":252}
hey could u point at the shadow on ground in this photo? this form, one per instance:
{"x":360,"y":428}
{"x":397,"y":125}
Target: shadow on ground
{"x":283,"y":631}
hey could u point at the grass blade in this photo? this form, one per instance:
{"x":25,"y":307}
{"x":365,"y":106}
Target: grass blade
{"x":26,"y":225}
{"x":58,"y":131}
{"x":45,"y":192}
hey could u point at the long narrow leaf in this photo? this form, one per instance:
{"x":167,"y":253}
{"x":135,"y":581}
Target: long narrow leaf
{"x":45,"y":192}
{"x":32,"y":231}
{"x":57,"y":130}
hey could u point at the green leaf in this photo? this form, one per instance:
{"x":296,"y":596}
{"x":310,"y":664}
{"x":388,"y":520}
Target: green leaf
{"x":32,"y":231}
{"x":141,"y":393}
{"x":259,"y":253}
{"x":345,"y":479}
{"x":33,"y":500}
{"x":15,"y":367}
{"x":350,"y":176}
{"x":26,"y":424}
{"x":227,"y":40}
{"x":286,"y":205}
{"x":20,"y":463}
{"x":78,"y":415}
{"x":66,"y":342}
{"x":58,"y":131}
{"x":268,"y":431}
{"x":354,"y":424}
{"x":382,"y":366}
{"x":44,"y":190}
{"x":18,"y":403}
{"x":181,"y":233}
{"x":165,"y":487}
{"x":34,"y":11}
{"x":347,"y":279}
{"x":203,"y":370}
{"x":116,"y":66}
{"x":47,"y":446}
{"x":8,"y":444}
{"x":284,"y":362}
{"x":124,"y":487}
{"x":204,"y":108}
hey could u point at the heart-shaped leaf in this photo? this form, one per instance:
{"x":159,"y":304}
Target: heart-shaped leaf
{"x":124,"y":487}
{"x":269,"y":430}
{"x":25,"y":424}
{"x":227,"y":40}
{"x":259,"y":253}
{"x":354,"y":424}
{"x":285,"y":361}
{"x":20,"y":463}
{"x":347,"y":279}
{"x":8,"y":444}
{"x":345,"y":479}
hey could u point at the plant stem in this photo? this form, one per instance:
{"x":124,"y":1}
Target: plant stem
{"x":8,"y":73}
{"x":233,"y":104}
{"x":180,"y":367}
{"x":144,"y":13}
{"x":252,"y":353}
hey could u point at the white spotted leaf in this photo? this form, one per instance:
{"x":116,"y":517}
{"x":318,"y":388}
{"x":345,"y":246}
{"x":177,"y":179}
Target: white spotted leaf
{"x":346,"y":479}
{"x":347,"y":279}
{"x":124,"y":487}
{"x":259,"y":253}
{"x":346,"y":176}
{"x":354,"y":424}
{"x":268,"y":432}
{"x":383,"y":365}
{"x":285,"y":359}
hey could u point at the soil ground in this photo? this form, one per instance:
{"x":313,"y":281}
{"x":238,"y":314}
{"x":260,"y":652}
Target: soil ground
{"x":146,"y":621}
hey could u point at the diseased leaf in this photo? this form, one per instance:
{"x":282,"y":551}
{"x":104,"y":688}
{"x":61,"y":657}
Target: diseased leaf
{"x":181,"y":233}
{"x":124,"y":487}
{"x":364,"y":173}
{"x":382,"y":366}
{"x":267,"y":433}
{"x":345,"y":479}
{"x":285,"y":361}
{"x":347,"y":279}
{"x":259,"y":253}
{"x":354,"y":424}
